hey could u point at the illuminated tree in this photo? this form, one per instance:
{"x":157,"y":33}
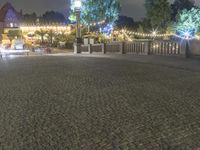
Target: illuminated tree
{"x":112,"y":8}
{"x":158,"y":12}
{"x":124,"y":21}
{"x":51,"y":35}
{"x":41,"y":33}
{"x":189,"y":21}
{"x":94,"y":11}
{"x":180,"y":5}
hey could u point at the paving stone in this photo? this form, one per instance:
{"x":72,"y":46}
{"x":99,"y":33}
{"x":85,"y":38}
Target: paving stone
{"x":97,"y":103}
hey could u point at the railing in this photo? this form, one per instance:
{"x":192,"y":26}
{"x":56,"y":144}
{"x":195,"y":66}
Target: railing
{"x":139,"y":47}
{"x":96,"y":48}
{"x":84,"y":48}
{"x":136,"y":47}
{"x":114,"y":47}
{"x":165,"y":48}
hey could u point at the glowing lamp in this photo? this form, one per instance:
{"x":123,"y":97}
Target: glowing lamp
{"x":77,"y":4}
{"x":187,"y":34}
{"x":154,"y":33}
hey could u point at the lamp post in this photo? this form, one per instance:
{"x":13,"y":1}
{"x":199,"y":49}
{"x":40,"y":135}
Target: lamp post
{"x":78,"y":4}
{"x":78,"y":40}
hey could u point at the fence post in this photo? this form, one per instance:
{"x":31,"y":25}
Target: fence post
{"x":90,"y":48}
{"x":77,"y":48}
{"x":183,"y":48}
{"x":122,"y":48}
{"x":187,"y":52}
{"x":103,"y":48}
{"x":147,"y":47}
{"x":179,"y":48}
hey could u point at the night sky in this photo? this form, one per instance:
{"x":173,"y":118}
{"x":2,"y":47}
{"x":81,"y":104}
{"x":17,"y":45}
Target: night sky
{"x":133,"y":8}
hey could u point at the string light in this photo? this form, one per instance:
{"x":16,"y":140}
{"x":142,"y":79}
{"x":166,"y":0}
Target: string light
{"x":48,"y":27}
{"x":186,"y":37}
{"x":154,"y":34}
{"x":97,"y":23}
{"x":129,"y":39}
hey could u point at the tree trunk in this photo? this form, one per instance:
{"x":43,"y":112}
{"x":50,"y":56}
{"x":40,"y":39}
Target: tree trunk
{"x":51,"y":37}
{"x":187,"y":52}
{"x":42,"y":37}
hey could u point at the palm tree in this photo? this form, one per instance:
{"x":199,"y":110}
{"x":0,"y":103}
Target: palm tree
{"x":61,"y":37}
{"x":51,"y":35}
{"x":12,"y":34}
{"x":41,"y":33}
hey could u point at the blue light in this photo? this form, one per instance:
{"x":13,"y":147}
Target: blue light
{"x":107,"y":29}
{"x":186,"y":34}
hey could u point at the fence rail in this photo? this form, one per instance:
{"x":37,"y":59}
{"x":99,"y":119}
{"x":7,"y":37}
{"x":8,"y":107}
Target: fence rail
{"x":138,"y":47}
{"x":84,"y":48}
{"x":165,"y":48}
{"x":96,"y":48}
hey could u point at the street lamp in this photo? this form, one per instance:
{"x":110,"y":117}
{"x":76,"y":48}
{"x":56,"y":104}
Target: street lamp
{"x":78,"y":4}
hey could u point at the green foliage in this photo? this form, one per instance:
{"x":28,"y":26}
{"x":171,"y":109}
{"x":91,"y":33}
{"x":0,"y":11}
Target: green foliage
{"x":12,"y":34}
{"x":184,"y":4}
{"x":53,"y":17}
{"x":112,"y":10}
{"x":146,"y":25}
{"x":89,"y":13}
{"x":140,"y":29}
{"x":72,"y":17}
{"x":189,"y":20}
{"x":41,"y":33}
{"x":30,"y":18}
{"x":180,"y":5}
{"x":61,"y":37}
{"x":158,"y":12}
{"x":51,"y":35}
{"x":97,"y":10}
{"x":70,"y":38}
{"x":171,"y":28}
{"x":124,"y":21}
{"x":47,"y":17}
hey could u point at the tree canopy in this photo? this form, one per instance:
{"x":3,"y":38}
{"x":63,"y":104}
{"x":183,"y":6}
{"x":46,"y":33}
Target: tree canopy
{"x":12,"y":34}
{"x":53,"y":16}
{"x":94,"y":11}
{"x":124,"y":21}
{"x":158,"y":12}
{"x":30,"y":18}
{"x":180,"y":5}
{"x":188,"y":21}
{"x":47,"y":17}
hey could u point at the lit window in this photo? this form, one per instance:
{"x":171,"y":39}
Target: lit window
{"x":11,"y":25}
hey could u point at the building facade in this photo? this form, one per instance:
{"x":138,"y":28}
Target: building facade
{"x":9,"y":17}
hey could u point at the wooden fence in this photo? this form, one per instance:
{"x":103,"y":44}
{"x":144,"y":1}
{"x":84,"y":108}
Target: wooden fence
{"x":165,"y":48}
{"x":138,"y":47}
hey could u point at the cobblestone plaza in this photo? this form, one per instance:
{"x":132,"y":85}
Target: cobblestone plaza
{"x":97,"y":103}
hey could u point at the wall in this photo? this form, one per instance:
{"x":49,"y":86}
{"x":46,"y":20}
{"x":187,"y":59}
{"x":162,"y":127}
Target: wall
{"x":194,"y":47}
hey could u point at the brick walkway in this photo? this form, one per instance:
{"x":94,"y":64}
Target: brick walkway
{"x":105,"y":103}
